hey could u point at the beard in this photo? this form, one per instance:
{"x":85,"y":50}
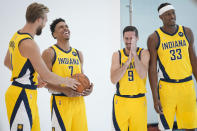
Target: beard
{"x":39,"y":30}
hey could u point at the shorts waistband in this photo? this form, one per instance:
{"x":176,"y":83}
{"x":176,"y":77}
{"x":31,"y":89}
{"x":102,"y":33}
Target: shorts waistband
{"x":131,"y":96}
{"x":25,"y":86}
{"x":59,"y":94}
{"x":177,"y":81}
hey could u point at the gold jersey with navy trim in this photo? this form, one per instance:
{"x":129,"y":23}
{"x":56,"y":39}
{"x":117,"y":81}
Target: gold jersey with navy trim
{"x":22,"y":69}
{"x":129,"y":102}
{"x":130,"y":83}
{"x":176,"y":87}
{"x":173,"y":55}
{"x":68,"y":113}
{"x":21,"y":96}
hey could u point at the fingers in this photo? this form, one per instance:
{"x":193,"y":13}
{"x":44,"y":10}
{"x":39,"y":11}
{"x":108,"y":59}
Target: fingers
{"x":72,"y":83}
{"x":158,"y":108}
{"x":88,"y":91}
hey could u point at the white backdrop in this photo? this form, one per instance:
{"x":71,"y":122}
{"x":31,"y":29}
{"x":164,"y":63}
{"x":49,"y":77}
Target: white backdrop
{"x":95,"y":30}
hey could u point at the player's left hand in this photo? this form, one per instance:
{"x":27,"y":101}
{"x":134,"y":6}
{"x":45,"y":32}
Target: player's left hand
{"x":133,"y":46}
{"x":87,"y":92}
{"x":41,"y":83}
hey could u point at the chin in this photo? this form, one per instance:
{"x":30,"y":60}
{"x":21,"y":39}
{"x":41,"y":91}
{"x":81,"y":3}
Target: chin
{"x":128,"y":48}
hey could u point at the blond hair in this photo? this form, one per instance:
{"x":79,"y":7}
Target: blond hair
{"x":35,"y":11}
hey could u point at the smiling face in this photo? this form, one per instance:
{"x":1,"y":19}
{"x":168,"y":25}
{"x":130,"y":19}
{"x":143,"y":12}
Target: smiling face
{"x":169,"y":18}
{"x":128,"y":36}
{"x":62,"y":31}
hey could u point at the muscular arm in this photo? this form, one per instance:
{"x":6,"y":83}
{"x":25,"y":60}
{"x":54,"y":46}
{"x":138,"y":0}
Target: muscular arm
{"x":117,"y":71}
{"x":141,"y":66}
{"x":7,"y":61}
{"x":192,"y":53}
{"x":152,"y":72}
{"x":29,"y":49}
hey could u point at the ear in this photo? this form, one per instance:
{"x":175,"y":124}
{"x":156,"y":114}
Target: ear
{"x":161,"y":17}
{"x":38,"y":20}
{"x":137,"y":38}
{"x":54,"y":34}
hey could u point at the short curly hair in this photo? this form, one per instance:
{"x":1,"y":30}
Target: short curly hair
{"x":54,"y":23}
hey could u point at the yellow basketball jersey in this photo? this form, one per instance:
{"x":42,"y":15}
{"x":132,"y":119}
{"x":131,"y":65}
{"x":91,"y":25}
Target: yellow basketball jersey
{"x":66,"y":63}
{"x":130,"y":83}
{"x":173,"y":55}
{"x":23,"y":73}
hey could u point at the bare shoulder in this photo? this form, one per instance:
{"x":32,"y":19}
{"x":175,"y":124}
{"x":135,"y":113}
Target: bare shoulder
{"x":152,"y":40}
{"x":187,"y":29}
{"x":49,"y":51}
{"x":48,"y":54}
{"x":28,"y":43}
{"x":28,"y":48}
{"x":145,"y":55}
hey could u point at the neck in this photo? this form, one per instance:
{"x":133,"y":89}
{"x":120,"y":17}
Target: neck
{"x":64,"y":44}
{"x":170,"y":29}
{"x":29,"y":28}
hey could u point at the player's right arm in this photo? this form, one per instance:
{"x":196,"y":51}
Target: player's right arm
{"x":48,"y":57}
{"x":7,"y":61}
{"x":152,"y":72}
{"x":117,"y":72}
{"x":29,"y":49}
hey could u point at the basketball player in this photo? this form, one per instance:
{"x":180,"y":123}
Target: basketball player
{"x":68,"y":110}
{"x":128,"y":71}
{"x":172,"y":46}
{"x":24,"y":60}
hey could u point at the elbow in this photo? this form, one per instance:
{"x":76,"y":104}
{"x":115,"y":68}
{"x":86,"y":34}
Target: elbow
{"x":113,"y":81}
{"x":6,"y":63}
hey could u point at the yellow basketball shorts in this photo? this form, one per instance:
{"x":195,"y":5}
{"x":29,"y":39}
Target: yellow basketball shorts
{"x":22,"y":110}
{"x":178,"y":99}
{"x":68,"y":113}
{"x":129,"y":114}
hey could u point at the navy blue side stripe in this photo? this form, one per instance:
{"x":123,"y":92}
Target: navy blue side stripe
{"x":22,"y":97}
{"x":140,"y":54}
{"x":119,"y":57}
{"x":186,"y":35}
{"x":27,"y":66}
{"x":117,"y":128}
{"x":60,"y":121}
{"x":164,"y":122}
{"x":78,"y":54}
{"x":158,"y":44}
{"x":163,"y":69}
{"x":54,"y":58}
{"x":118,"y":88}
